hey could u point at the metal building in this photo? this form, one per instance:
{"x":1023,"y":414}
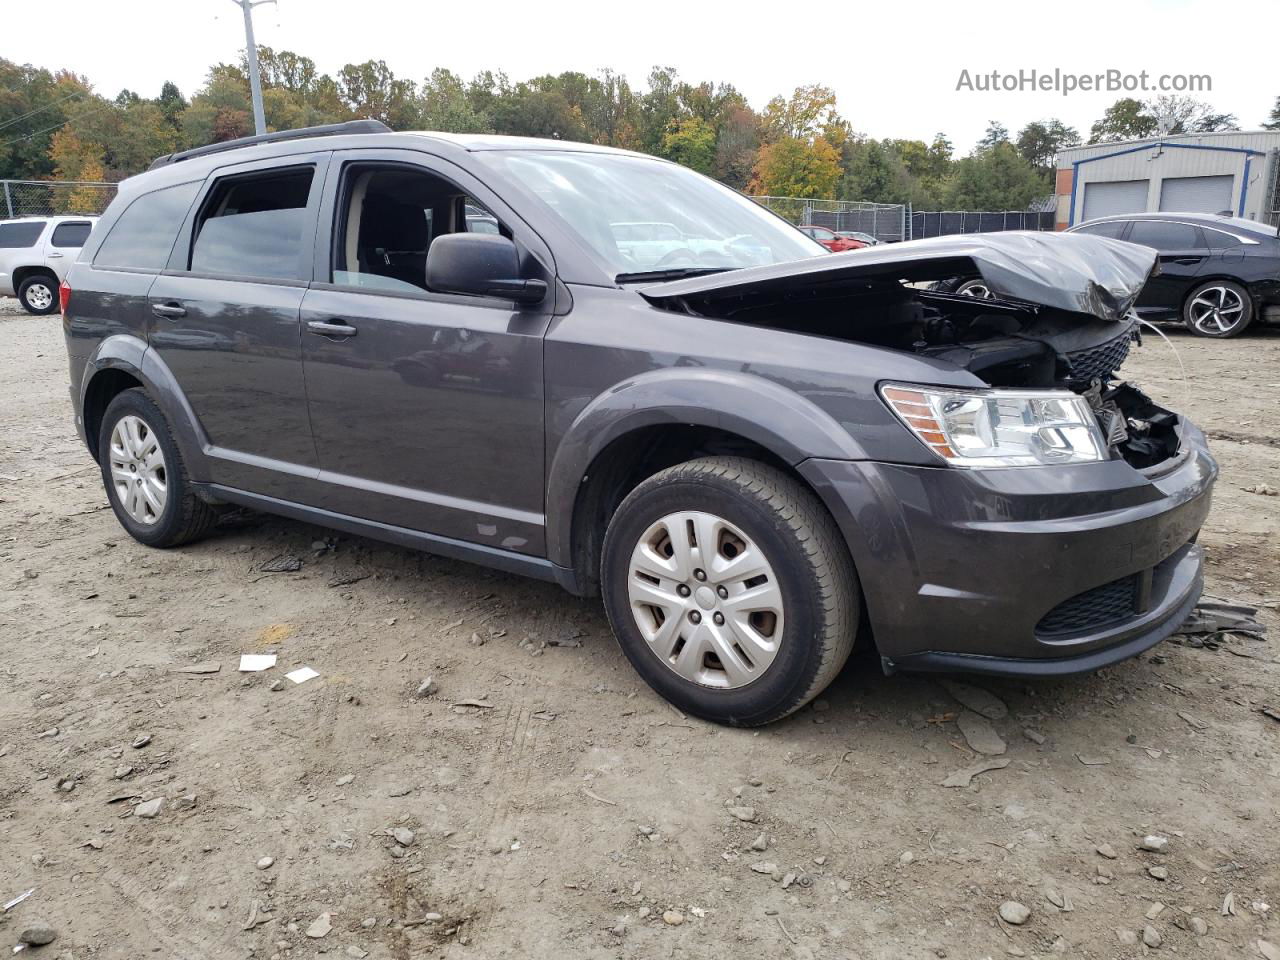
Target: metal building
{"x":1236,"y":173}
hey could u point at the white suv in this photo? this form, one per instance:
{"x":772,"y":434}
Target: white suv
{"x":35,"y":253}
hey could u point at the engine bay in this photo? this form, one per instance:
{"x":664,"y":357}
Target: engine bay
{"x":1003,"y":342}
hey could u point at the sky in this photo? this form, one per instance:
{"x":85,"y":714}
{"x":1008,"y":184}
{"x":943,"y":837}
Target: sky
{"x":895,"y":66}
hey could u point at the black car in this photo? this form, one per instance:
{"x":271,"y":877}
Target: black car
{"x":755,"y":451}
{"x":1217,"y":274}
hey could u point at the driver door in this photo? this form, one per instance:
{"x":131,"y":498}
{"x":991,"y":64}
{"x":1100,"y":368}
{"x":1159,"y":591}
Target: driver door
{"x":426,"y":408}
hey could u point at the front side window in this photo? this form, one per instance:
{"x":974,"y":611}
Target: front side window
{"x":388,"y":218}
{"x":1165,"y":236}
{"x":71,"y":234}
{"x":14,"y":236}
{"x":252,"y":226}
{"x":143,"y":236}
{"x":610,"y":200}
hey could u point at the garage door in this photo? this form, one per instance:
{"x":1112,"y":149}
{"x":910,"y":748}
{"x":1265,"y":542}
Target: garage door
{"x":1104,"y":199}
{"x":1197,"y":194}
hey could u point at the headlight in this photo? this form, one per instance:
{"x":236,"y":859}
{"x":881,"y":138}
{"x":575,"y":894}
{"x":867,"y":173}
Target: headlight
{"x":999,"y":428}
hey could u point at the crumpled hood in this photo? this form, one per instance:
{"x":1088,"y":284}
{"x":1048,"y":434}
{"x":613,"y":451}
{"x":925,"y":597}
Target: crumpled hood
{"x":1075,"y":272}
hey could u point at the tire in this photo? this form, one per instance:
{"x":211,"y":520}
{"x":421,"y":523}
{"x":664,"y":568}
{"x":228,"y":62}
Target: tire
{"x":753,"y":507}
{"x":177,"y":516}
{"x":1218,"y":309}
{"x":963,"y":287}
{"x":38,"y":294}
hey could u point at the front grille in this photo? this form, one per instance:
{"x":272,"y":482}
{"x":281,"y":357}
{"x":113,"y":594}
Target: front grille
{"x":1100,"y":362}
{"x":1109,"y":603}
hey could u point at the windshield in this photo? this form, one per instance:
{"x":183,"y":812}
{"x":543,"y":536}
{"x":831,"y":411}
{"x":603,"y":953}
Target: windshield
{"x":646,"y":216}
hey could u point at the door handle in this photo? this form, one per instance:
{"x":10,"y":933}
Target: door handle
{"x":324,"y":328}
{"x":169,"y":311}
{"x":54,"y":254}
{"x":1188,"y":261}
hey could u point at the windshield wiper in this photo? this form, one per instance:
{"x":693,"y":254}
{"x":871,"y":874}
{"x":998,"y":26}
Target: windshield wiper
{"x":673,"y":273}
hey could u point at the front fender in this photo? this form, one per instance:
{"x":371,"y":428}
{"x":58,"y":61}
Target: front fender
{"x":762,"y":411}
{"x":129,"y":354}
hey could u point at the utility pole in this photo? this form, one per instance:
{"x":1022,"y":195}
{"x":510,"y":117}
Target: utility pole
{"x":255,"y":82}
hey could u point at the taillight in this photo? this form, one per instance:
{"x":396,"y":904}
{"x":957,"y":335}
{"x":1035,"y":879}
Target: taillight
{"x":64,"y":297}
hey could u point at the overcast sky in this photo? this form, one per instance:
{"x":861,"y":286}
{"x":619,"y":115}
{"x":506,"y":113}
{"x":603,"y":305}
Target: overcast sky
{"x":894,"y":65}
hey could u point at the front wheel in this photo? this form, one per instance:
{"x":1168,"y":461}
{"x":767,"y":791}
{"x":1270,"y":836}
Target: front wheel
{"x":38,"y":294}
{"x":1218,"y":308}
{"x":728,"y":590}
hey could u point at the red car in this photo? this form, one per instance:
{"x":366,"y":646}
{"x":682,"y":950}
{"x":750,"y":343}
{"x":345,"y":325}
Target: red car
{"x":830,"y":239}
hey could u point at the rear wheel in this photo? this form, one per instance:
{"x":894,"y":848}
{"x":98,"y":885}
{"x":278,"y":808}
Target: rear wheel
{"x":728,"y":590}
{"x":39,"y":294}
{"x":1218,"y":308}
{"x":144,"y":475}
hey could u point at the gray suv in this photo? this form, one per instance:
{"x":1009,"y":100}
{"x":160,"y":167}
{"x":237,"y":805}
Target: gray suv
{"x":755,"y":451}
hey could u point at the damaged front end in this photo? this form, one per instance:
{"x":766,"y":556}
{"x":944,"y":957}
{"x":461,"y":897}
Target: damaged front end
{"x":1061,"y":317}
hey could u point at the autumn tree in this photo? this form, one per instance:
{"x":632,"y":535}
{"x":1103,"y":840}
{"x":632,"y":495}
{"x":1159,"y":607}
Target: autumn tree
{"x":796,"y":167}
{"x":809,"y":112}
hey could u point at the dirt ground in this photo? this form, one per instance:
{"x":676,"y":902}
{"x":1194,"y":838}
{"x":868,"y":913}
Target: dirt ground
{"x":574,"y":814}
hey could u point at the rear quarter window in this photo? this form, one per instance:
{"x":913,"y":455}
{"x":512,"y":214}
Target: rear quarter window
{"x":144,"y":234}
{"x":16,"y":235}
{"x":71,"y":234}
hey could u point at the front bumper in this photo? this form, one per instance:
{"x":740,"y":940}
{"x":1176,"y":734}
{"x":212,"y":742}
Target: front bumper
{"x":1027,"y":571}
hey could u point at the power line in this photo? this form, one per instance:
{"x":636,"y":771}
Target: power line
{"x":70,"y":122}
{"x":32,"y":113}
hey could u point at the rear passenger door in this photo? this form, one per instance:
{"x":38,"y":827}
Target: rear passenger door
{"x":65,"y":241}
{"x":224,"y":319}
{"x":426,"y":407}
{"x":1183,"y":253}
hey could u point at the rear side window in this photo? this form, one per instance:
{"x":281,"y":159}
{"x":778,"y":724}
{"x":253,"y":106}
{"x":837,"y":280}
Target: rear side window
{"x":1221,"y":241}
{"x":71,"y":234}
{"x":252,"y":226}
{"x":24,"y":234}
{"x":143,"y":236}
{"x":1108,"y":228}
{"x":1165,"y":236}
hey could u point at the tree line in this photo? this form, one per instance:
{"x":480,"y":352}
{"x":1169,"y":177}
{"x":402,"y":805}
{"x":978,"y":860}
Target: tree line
{"x":54,"y":126}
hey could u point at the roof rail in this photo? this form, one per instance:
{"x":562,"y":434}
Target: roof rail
{"x":327,"y":130}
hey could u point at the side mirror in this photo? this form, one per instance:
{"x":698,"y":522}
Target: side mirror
{"x":480,"y":264}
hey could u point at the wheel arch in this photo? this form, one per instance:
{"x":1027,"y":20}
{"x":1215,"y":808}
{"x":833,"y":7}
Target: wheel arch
{"x":21,"y":274}
{"x":123,"y":362}
{"x":628,"y":434}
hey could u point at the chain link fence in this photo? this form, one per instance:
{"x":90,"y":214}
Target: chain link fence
{"x":49,"y":198}
{"x":884,"y":221}
{"x":940,"y":223}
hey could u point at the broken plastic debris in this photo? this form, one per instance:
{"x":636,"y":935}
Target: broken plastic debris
{"x":302,"y":675}
{"x":255,"y":662}
{"x":17,"y":900}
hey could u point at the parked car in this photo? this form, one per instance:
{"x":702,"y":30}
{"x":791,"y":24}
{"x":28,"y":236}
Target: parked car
{"x":1217,"y":274}
{"x":866,"y":239}
{"x":35,"y":253}
{"x":754,"y":465}
{"x":835,"y":242}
